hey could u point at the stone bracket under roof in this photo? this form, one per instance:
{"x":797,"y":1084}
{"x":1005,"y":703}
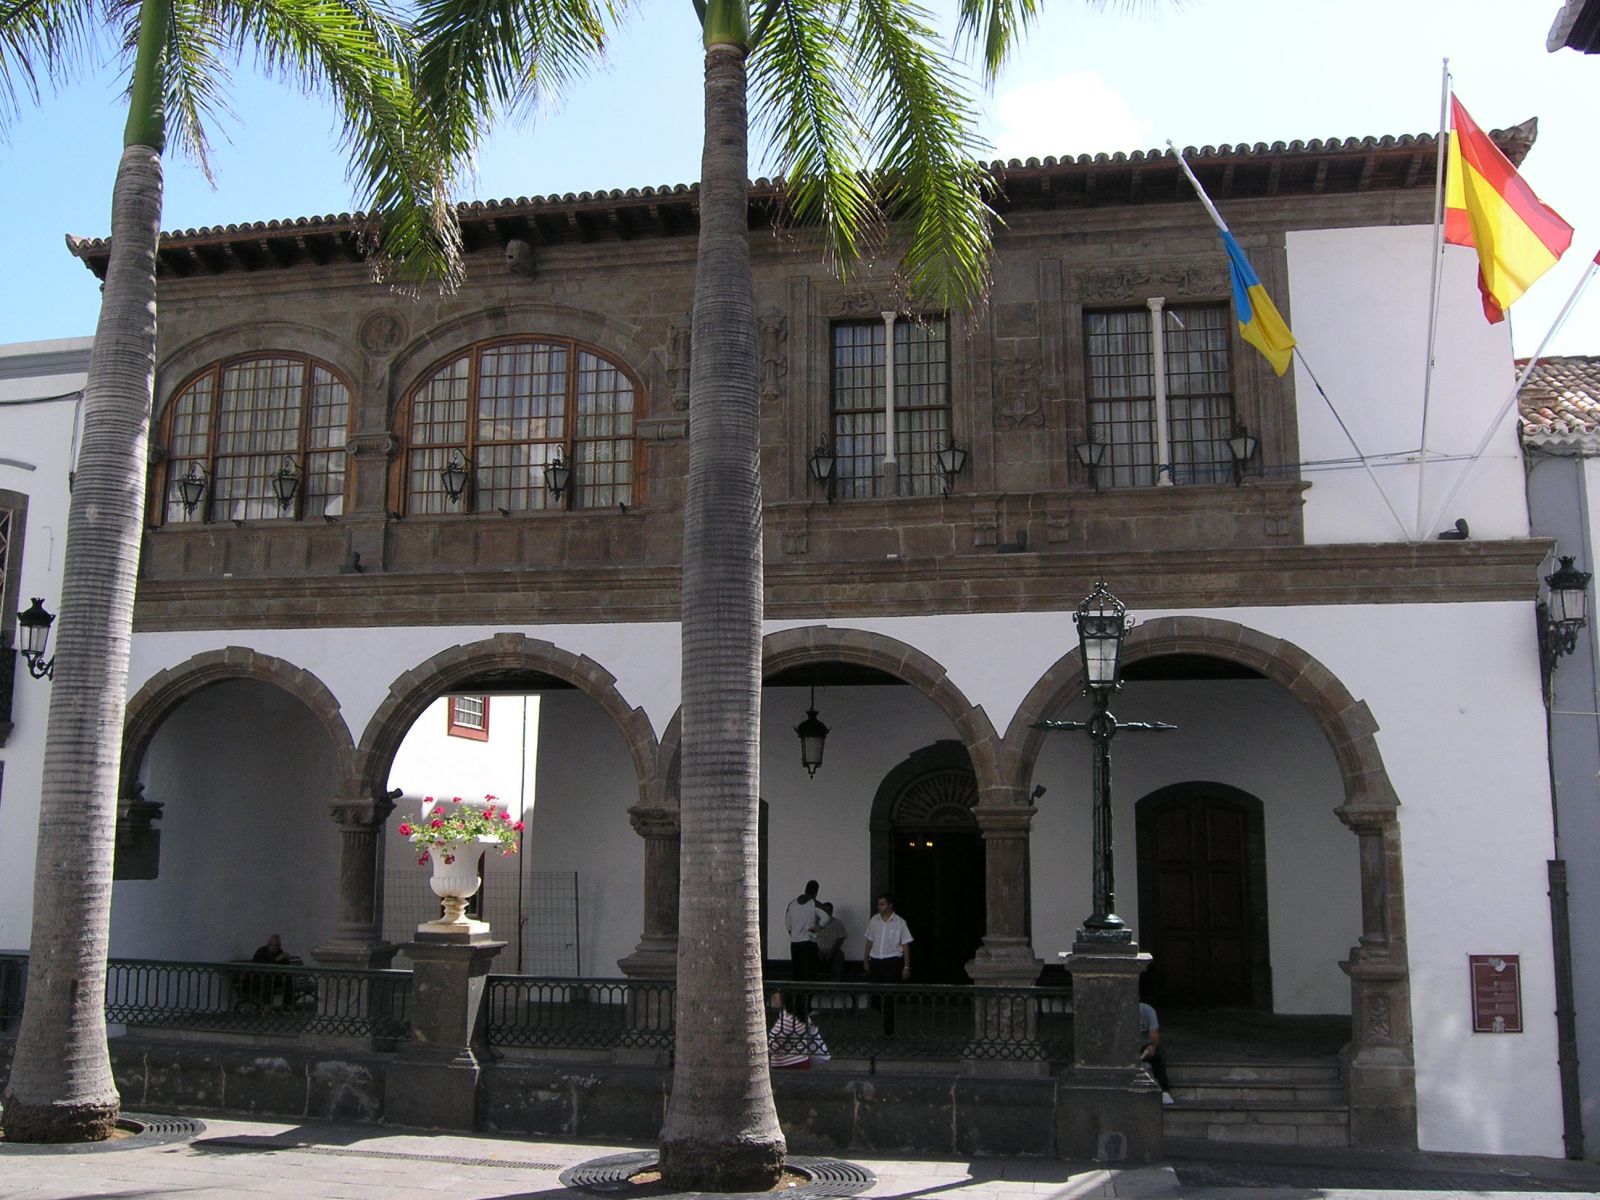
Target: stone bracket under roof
{"x":1228,"y":172}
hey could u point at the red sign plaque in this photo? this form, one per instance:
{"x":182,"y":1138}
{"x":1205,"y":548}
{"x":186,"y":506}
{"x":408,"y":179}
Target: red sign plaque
{"x":1496,"y":993}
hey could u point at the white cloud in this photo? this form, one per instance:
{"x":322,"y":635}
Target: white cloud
{"x":1078,"y":113}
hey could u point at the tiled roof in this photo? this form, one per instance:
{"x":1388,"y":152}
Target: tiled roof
{"x":1318,"y":166}
{"x":1560,"y":403}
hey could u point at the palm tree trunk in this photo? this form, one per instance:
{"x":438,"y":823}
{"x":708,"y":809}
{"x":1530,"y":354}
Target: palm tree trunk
{"x":721,"y":1131}
{"x":61,"y":1088}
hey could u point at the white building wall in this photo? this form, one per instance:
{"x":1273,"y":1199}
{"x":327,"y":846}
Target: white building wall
{"x":1453,"y":687}
{"x":586,"y":784}
{"x":1359,"y":310}
{"x":38,"y":419}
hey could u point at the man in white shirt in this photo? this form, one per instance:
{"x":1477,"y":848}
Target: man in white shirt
{"x":802,"y":920}
{"x":888,"y":954}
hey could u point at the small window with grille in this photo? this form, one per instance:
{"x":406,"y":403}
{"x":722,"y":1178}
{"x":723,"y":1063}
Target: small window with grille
{"x":468,"y":717}
{"x":1199,"y":394}
{"x":921,"y":405}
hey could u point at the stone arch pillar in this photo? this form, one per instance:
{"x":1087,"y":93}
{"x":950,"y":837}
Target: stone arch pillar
{"x":1382,"y":1074}
{"x":656,"y":956}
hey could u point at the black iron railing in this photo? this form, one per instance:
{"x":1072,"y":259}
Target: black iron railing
{"x":855,"y":1021}
{"x":254,"y":998}
{"x":580,"y":1014}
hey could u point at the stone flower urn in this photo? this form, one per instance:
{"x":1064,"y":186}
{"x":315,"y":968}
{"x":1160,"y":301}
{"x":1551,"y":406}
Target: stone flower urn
{"x":455,"y":881}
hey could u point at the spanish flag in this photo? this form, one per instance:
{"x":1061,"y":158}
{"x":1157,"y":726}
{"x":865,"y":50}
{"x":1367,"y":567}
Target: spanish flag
{"x":1488,"y":206}
{"x":1259,"y":321}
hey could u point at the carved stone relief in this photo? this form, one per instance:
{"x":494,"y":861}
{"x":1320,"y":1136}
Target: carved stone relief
{"x":1104,"y":284}
{"x":383,"y":331}
{"x":679,"y":346}
{"x":774,"y":353}
{"x":1017,"y":399}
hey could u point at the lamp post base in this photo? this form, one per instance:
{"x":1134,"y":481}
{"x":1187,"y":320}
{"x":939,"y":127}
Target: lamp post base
{"x":1104,"y":931}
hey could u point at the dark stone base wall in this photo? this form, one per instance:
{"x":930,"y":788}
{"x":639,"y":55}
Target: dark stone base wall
{"x":822,"y":1112}
{"x":263,"y":1080}
{"x":825,"y":1112}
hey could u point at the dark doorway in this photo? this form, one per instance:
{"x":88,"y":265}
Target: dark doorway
{"x":939,"y":889}
{"x":928,"y":851}
{"x":1203,"y":897}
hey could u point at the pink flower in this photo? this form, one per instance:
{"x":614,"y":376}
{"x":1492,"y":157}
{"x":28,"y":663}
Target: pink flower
{"x":448,"y":859}
{"x":427,"y":799}
{"x":518,"y":827}
{"x":436,"y":823}
{"x":405,"y":830}
{"x":422,"y":861}
{"x":488,"y":797}
{"x":455,"y":799}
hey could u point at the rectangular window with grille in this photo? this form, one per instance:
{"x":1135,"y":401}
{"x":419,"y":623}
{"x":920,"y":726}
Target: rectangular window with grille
{"x":468,"y":717}
{"x":921,"y":405}
{"x":1122,"y":402}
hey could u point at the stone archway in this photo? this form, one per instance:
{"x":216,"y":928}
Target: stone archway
{"x":163,"y":693}
{"x":1006,"y":955}
{"x":1382,"y":1076}
{"x":411,"y":694}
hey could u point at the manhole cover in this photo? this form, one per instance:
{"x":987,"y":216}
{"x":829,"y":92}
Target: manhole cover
{"x":825,"y":1177}
{"x":140,"y":1130}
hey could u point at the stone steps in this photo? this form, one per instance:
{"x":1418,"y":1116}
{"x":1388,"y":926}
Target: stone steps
{"x":1280,"y":1104}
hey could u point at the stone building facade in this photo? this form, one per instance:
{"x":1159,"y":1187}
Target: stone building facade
{"x":1330,"y":667}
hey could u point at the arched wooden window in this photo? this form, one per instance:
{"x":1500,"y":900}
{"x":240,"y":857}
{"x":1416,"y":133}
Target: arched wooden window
{"x":509,"y":408}
{"x":236,"y":422}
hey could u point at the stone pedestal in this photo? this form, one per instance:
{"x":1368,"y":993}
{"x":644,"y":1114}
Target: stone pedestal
{"x":1107,"y":1108}
{"x":433,"y":1082}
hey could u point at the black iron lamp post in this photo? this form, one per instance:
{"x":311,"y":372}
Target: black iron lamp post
{"x":191,"y":488}
{"x":1092,"y":455}
{"x":1563,"y":613}
{"x":1242,"y":446}
{"x":1103,"y":621}
{"x":33,"y":626}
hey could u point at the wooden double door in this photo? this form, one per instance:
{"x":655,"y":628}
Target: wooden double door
{"x":1203,"y":897}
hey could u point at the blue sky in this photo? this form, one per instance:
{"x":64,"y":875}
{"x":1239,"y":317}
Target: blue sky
{"x":1130,"y":77}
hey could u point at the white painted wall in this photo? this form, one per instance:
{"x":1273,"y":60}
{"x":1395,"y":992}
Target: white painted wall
{"x":430,"y":762}
{"x":586,"y":784}
{"x":38,"y":414}
{"x":248,"y":846}
{"x":1359,"y":300}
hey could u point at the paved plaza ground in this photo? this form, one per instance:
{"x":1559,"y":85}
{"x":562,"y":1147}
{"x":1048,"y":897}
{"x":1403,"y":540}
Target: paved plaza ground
{"x":233,"y":1158}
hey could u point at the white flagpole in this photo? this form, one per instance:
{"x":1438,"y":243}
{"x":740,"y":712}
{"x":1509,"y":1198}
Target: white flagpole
{"x":1433,"y":287}
{"x":1516,"y":390}
{"x":1211,"y":209}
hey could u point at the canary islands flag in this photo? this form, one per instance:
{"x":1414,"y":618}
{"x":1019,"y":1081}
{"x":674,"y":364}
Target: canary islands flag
{"x":1259,"y":321}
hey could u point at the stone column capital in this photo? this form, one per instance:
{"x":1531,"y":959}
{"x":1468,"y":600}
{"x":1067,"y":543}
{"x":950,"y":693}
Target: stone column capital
{"x":360,"y":814}
{"x":1003,"y":820}
{"x":652,"y":822}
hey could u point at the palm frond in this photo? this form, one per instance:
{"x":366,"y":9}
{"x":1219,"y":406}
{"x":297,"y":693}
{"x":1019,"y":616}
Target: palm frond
{"x":194,"y":77}
{"x":923,"y":141}
{"x":996,"y":26}
{"x":353,"y":52}
{"x":38,"y":38}
{"x":476,"y":56}
{"x":804,"y":102}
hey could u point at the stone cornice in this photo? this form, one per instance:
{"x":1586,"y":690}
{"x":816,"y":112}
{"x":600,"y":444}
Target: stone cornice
{"x":1382,"y":573}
